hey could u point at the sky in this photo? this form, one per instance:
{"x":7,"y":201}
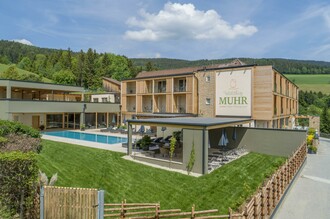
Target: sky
{"x":190,"y":30}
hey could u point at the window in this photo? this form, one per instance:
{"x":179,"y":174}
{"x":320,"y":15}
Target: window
{"x":161,"y":86}
{"x":208,"y":78}
{"x":104,"y":99}
{"x":182,"y":85}
{"x":96,"y":100}
{"x":208,"y":101}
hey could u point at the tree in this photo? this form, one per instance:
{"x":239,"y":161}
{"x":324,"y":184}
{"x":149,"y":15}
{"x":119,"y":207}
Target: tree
{"x":25,"y":64}
{"x":89,"y":70}
{"x":64,"y":77}
{"x":80,"y":68}
{"x":325,"y":121}
{"x":10,"y":73}
{"x":150,"y":67}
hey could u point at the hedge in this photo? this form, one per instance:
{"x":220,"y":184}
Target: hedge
{"x":18,"y":180}
{"x":9,"y":127}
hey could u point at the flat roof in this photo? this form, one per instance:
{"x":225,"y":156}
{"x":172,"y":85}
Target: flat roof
{"x":40,"y":85}
{"x":192,"y":122}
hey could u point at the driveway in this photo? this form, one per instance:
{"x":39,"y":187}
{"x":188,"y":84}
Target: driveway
{"x":309,"y":196}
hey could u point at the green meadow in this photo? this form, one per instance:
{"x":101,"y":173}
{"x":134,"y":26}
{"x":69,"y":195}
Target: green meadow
{"x":22,"y":72}
{"x":310,"y":82}
{"x":228,"y":186}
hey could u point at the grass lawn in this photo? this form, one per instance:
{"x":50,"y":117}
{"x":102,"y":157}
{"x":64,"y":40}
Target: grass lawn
{"x":312,"y":82}
{"x":225,"y":187}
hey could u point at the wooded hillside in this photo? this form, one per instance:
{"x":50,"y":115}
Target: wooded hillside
{"x":87,"y":68}
{"x":286,"y":66}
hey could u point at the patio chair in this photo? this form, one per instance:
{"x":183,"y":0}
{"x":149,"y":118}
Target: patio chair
{"x":156,"y":141}
{"x":167,"y":139}
{"x":107,"y":129}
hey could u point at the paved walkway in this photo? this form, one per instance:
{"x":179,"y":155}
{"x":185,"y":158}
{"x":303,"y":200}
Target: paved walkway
{"x":309,"y":196}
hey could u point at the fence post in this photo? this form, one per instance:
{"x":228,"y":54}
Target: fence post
{"x":100,"y":206}
{"x":42,"y":193}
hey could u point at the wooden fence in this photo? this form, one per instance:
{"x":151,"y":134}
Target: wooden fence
{"x":153,"y":211}
{"x":261,"y":205}
{"x":64,"y":202}
{"x":264,"y":202}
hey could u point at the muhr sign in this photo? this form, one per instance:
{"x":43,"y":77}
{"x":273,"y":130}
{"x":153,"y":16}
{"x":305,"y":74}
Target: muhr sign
{"x":232,"y":100}
{"x":233,"y":93}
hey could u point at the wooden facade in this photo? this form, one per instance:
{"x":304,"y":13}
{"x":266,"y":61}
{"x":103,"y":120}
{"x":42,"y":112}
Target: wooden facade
{"x":111,"y":85}
{"x":274,"y":98}
{"x":176,"y":95}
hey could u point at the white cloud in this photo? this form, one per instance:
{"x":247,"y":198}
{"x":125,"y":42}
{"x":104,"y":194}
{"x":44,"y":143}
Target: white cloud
{"x":184,"y":21}
{"x":23,"y":41}
{"x":157,"y":55}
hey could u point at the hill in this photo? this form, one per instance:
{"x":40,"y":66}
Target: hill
{"x":315,"y":83}
{"x":285,"y":66}
{"x":25,"y":75}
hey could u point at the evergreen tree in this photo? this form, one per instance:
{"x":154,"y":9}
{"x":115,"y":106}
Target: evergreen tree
{"x":10,"y":73}
{"x":89,"y":71}
{"x":325,"y":121}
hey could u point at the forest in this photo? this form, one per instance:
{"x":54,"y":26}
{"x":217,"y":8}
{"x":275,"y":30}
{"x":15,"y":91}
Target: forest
{"x":64,"y":66}
{"x":317,"y":104}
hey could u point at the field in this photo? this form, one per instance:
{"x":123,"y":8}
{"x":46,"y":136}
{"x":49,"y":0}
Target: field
{"x":312,"y":82}
{"x":225,"y":187}
{"x":4,"y":67}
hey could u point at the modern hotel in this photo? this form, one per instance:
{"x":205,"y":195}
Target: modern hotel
{"x":235,"y":89}
{"x":52,"y":106}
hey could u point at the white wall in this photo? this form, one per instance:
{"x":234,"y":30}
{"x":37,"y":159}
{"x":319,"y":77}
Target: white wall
{"x":26,"y":118}
{"x":110,"y":97}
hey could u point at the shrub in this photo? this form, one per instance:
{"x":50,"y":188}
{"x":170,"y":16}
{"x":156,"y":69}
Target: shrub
{"x":145,"y":142}
{"x":310,"y":139}
{"x":18,"y":180}
{"x":22,"y":143}
{"x":311,"y":131}
{"x":7,"y":127}
{"x":313,"y":149}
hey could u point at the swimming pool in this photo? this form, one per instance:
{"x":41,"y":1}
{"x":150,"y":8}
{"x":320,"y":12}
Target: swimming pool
{"x":105,"y":139}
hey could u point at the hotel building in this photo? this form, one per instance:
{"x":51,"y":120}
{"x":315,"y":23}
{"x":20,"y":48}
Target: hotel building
{"x":53,"y":106}
{"x":235,"y":89}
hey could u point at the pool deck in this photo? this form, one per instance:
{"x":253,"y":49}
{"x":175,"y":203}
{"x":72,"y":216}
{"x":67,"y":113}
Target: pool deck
{"x":111,"y":147}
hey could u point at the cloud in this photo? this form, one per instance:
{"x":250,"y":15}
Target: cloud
{"x":23,"y":41}
{"x":184,"y":21}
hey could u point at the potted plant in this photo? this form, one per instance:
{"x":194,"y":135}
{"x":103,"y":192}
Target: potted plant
{"x":145,"y":142}
{"x":82,"y":127}
{"x":42,"y":127}
{"x":312,"y":149}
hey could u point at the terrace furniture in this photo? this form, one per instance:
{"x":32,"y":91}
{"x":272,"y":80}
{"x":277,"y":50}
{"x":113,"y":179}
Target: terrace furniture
{"x":107,"y":129}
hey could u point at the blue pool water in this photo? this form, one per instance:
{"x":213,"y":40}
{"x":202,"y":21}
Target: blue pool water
{"x":87,"y":137}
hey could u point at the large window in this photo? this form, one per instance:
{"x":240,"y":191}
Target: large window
{"x":90,"y":120}
{"x":54,"y":121}
{"x":101,"y":120}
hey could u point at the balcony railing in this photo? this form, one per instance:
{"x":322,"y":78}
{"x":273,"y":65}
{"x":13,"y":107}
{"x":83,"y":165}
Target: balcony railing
{"x":180,"y":89}
{"x":131,"y":109}
{"x":182,"y":110}
{"x":130,"y":91}
{"x":147,"y":109}
{"x":160,"y":90}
